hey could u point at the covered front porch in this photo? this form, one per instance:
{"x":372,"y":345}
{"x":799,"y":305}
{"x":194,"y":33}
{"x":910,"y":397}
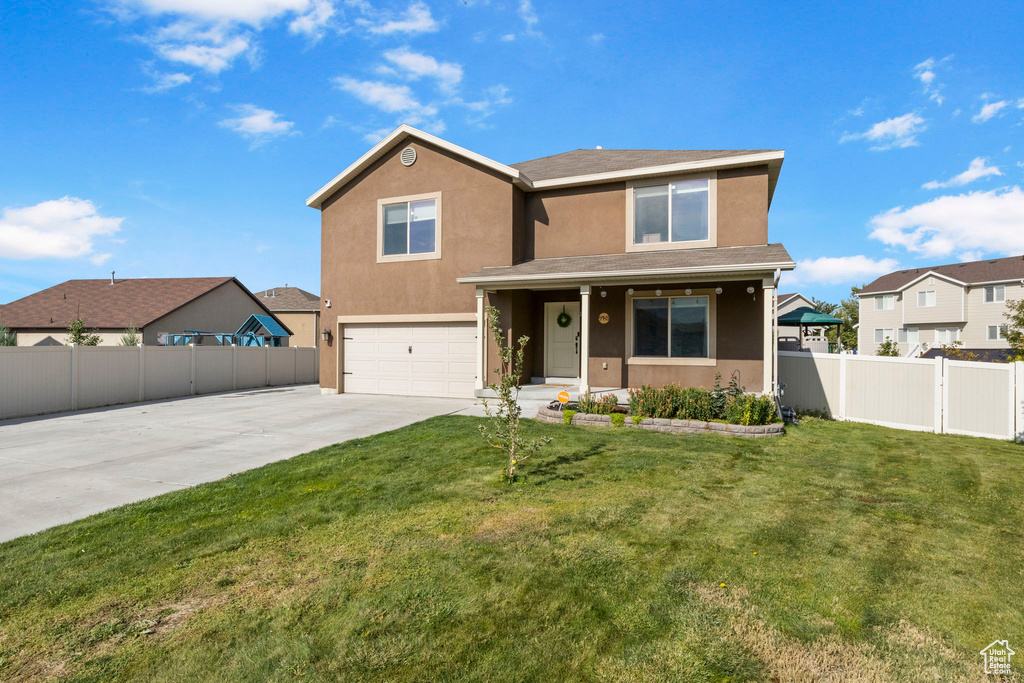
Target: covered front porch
{"x":609,"y":328}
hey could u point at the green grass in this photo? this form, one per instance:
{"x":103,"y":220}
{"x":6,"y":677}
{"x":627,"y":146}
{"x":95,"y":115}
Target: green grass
{"x":848,"y":552}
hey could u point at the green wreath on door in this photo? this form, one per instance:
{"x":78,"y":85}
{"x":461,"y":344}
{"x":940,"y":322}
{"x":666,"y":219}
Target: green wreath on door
{"x":564,"y":319}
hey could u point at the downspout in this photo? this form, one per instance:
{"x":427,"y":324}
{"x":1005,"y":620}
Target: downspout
{"x":775,"y":332}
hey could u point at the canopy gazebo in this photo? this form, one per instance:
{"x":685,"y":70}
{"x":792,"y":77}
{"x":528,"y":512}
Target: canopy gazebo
{"x":805,"y":317}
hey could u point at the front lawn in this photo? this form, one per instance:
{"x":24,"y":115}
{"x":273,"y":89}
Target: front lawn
{"x":839,"y":552}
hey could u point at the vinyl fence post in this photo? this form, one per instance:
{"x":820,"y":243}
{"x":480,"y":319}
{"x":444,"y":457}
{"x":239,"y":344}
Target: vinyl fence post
{"x":1018,"y":368}
{"x":940,"y":382}
{"x":266,"y":364}
{"x":142,"y":372}
{"x":842,"y":386}
{"x":193,"y":379}
{"x":234,"y":367}
{"x":74,"y":376}
{"x":295,"y":365}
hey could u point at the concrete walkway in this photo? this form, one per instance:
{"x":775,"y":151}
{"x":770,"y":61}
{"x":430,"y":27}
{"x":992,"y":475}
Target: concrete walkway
{"x":59,"y":468}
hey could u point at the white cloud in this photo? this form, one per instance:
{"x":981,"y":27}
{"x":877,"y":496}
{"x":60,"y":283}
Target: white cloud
{"x":978,"y":168}
{"x":417,"y":19}
{"x":596,"y":38}
{"x":163,"y":82}
{"x":375,"y":136}
{"x":925,"y":72}
{"x":415,"y":65}
{"x":314,"y":22}
{"x":900,"y":131}
{"x":508,"y":37}
{"x":987,"y":222}
{"x":258,"y":125}
{"x":989,"y":110}
{"x":529,"y":16}
{"x":59,"y":228}
{"x":213,"y":58}
{"x":384,"y":96}
{"x":252,"y":12}
{"x":837,"y":270}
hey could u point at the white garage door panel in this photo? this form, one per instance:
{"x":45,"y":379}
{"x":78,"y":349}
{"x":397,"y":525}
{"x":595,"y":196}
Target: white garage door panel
{"x":377,"y":359}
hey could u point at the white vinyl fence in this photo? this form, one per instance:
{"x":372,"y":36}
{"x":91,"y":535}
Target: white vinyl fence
{"x":933,"y":395}
{"x":49,"y":379}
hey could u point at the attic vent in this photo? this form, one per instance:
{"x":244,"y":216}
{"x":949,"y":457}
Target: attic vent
{"x":408,"y":156}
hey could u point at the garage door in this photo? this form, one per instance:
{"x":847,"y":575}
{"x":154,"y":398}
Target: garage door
{"x":425,"y":359}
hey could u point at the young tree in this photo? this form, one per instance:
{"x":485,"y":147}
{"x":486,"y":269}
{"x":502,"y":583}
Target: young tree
{"x":847,"y":310}
{"x":505,"y":430}
{"x":888,"y":348}
{"x":80,"y":335}
{"x":8,"y":337}
{"x":131,"y":336}
{"x":955,"y":351}
{"x":1015,"y":328}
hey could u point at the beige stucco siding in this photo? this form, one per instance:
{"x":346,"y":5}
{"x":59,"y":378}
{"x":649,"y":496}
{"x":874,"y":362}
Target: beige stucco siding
{"x":40,"y":337}
{"x":304,"y":326}
{"x":223,"y":309}
{"x":949,"y":303}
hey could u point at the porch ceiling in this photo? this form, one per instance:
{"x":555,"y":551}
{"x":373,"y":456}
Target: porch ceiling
{"x":690,"y":263}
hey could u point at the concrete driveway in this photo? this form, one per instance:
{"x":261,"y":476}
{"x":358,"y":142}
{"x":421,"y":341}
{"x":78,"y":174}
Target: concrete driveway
{"x":59,"y":468}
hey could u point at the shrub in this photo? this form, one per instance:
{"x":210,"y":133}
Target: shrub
{"x":751,"y":410}
{"x":7,"y":336}
{"x":618,"y":419}
{"x":888,"y":348}
{"x":609,"y":403}
{"x":567,"y":416}
{"x":80,"y":335}
{"x":588,"y":403}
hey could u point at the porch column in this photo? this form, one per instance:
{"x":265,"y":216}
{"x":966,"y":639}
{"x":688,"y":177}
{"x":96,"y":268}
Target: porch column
{"x":481,"y":341}
{"x":584,"y":338}
{"x":770,"y":343}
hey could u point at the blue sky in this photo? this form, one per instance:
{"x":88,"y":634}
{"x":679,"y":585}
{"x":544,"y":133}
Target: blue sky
{"x":169,"y":138}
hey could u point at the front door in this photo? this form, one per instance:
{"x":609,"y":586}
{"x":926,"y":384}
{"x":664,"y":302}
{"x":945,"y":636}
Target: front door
{"x":562,"y":339}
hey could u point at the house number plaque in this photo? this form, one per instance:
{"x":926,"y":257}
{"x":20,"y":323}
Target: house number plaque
{"x":603,"y":318}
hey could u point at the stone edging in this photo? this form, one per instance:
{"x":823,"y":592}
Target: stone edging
{"x":552,"y":416}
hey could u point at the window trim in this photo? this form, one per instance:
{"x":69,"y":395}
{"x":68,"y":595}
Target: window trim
{"x":884,"y":335}
{"x":1001,"y":331}
{"x":433,"y":255}
{"x":712,"y":358}
{"x":905,"y":332}
{"x":881,"y":298}
{"x":994,"y":288}
{"x":926,"y":292}
{"x":711,"y":241}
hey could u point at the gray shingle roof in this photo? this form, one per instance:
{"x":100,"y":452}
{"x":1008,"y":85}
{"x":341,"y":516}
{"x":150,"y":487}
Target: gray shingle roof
{"x":712,"y":259}
{"x":288,"y":299}
{"x":991,"y":270}
{"x":587,"y":161}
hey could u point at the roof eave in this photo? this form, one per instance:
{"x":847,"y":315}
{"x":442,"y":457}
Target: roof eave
{"x":772,"y":159}
{"x":626,"y":275}
{"x":396,"y":136}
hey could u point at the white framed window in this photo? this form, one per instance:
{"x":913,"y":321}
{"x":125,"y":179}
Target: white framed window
{"x":409,"y":228}
{"x":996,"y":332}
{"x":909,"y":335}
{"x":947,"y":335}
{"x":881,"y":334}
{"x":672,"y":213}
{"x":885,"y":302}
{"x":995,"y":294}
{"x":926,"y":299}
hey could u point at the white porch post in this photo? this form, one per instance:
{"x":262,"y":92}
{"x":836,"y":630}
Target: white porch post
{"x":481,"y":341}
{"x":584,"y":338}
{"x":770,"y":345}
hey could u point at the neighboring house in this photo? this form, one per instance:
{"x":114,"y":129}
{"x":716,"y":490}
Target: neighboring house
{"x":298,"y":309}
{"x":925,"y":307}
{"x":156,"y":306}
{"x":623,"y":267}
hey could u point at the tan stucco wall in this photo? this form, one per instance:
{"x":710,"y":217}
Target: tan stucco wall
{"x":304,"y":326}
{"x":38,"y":337}
{"x":223,"y":309}
{"x":476,"y":231}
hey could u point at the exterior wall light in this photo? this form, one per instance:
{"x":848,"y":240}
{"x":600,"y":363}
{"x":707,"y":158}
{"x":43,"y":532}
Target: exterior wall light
{"x":326,"y":335}
{"x":630,"y":291}
{"x":689,"y":291}
{"x":604,"y":293}
{"x":718,"y":290}
{"x":657,"y":292}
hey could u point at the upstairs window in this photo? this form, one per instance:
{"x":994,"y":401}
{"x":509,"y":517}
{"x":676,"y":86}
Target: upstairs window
{"x":995,"y":294}
{"x":409,"y":228}
{"x":671,"y":215}
{"x":885,"y":302}
{"x":926,"y":299}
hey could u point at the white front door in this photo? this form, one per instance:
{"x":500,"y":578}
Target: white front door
{"x":562,"y":344}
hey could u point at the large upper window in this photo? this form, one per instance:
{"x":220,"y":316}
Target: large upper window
{"x":926,"y":299}
{"x":409,"y":228}
{"x":671,"y":327}
{"x":884,"y":302}
{"x":995,"y":294}
{"x":671,"y":214}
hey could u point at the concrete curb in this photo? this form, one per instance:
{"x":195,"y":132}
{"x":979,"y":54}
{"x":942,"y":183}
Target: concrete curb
{"x":554,"y":416}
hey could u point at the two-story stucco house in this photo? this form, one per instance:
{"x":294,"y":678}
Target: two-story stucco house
{"x":624,"y":267}
{"x":921,"y":308}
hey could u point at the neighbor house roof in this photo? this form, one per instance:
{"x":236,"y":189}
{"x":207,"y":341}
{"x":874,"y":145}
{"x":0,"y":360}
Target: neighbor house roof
{"x":639,"y":265}
{"x":285,"y":299}
{"x":969,"y":273}
{"x":138,"y":301}
{"x":783,"y":298}
{"x":578,"y":167}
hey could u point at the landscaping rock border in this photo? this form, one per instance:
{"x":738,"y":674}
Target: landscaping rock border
{"x":553,"y":415}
